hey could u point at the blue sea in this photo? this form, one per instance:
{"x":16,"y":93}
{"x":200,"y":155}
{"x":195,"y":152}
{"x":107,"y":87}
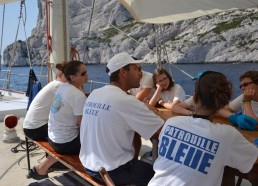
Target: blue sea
{"x":19,"y":77}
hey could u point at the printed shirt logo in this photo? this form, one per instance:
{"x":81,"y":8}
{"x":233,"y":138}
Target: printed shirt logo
{"x":188,"y":149}
{"x":93,"y":108}
{"x":57,"y":103}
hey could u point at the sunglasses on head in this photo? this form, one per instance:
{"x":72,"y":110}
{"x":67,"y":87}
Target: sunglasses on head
{"x":245,"y":84}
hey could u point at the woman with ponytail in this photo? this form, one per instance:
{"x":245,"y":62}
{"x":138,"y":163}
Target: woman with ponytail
{"x":65,"y":116}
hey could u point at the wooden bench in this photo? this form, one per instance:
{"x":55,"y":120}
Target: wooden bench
{"x":70,"y":161}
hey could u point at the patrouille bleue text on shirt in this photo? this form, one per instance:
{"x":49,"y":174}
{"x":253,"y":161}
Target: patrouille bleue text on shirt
{"x":92,"y":108}
{"x":188,"y":149}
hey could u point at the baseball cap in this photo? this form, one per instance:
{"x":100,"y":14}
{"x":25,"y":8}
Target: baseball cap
{"x":120,"y":60}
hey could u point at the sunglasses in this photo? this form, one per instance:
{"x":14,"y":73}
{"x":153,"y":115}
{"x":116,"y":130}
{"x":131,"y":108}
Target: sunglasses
{"x":83,"y":73}
{"x":245,"y":84}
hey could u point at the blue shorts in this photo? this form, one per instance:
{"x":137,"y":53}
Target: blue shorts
{"x":134,"y":172}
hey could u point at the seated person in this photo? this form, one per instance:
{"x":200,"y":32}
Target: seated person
{"x":65,"y":117}
{"x":167,"y":93}
{"x":110,"y":119}
{"x":35,"y":125}
{"x":247,"y":102}
{"x":183,"y":160}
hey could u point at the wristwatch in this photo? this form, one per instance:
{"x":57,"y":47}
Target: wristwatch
{"x":160,"y":101}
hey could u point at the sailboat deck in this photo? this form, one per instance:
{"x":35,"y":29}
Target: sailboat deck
{"x":13,"y":166}
{"x":13,"y":105}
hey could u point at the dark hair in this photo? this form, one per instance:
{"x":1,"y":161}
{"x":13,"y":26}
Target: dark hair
{"x":70,"y":68}
{"x":213,"y":90}
{"x":253,"y":75}
{"x":114,"y":76}
{"x":60,"y":66}
{"x":160,"y":71}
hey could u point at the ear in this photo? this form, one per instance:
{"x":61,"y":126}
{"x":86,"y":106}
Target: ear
{"x":72,"y":77}
{"x":122,"y":72}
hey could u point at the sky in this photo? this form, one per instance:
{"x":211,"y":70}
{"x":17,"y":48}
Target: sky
{"x":12,"y":12}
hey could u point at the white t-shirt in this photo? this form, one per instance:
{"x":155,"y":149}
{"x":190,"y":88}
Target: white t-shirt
{"x":237,"y":105}
{"x":38,"y":113}
{"x":110,"y":119}
{"x":146,"y":82}
{"x":67,"y":104}
{"x":176,"y":93}
{"x":190,"y":103}
{"x":194,"y":151}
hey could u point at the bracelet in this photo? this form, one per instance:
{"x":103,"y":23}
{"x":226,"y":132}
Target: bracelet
{"x":245,"y":101}
{"x":190,"y":113}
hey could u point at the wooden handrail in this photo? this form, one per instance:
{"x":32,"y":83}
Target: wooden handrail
{"x":105,"y":176}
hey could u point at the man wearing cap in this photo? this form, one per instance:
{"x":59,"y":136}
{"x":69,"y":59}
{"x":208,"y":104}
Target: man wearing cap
{"x":110,"y":119}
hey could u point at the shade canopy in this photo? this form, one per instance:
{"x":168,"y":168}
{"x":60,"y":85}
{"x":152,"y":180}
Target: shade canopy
{"x":167,"y":11}
{"x":7,"y":1}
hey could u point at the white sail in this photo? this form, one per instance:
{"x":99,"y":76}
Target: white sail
{"x":167,"y":11}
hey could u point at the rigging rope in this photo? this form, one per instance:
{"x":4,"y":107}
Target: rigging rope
{"x":49,"y":42}
{"x":159,"y":48}
{"x":49,"y":38}
{"x":24,"y":28}
{"x":130,"y":37}
{"x":2,"y":34}
{"x":88,"y":33}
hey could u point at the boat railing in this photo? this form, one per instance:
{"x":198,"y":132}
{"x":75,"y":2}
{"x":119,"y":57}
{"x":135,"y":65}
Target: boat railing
{"x":5,"y":80}
{"x":92,"y":84}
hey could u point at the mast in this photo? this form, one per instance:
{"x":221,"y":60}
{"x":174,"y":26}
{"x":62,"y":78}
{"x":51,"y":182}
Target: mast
{"x":59,"y":19}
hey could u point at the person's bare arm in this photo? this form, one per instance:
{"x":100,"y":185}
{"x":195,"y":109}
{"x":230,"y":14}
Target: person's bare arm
{"x":155,"y":97}
{"x":168,"y":105}
{"x":225,"y":112}
{"x":248,"y":96}
{"x":79,"y":119}
{"x":182,"y":108}
{"x":143,"y":94}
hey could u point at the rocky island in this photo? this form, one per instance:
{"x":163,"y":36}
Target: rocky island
{"x":223,"y":37}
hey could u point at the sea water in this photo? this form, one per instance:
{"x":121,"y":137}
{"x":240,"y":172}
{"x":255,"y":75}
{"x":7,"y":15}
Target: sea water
{"x":19,"y":77}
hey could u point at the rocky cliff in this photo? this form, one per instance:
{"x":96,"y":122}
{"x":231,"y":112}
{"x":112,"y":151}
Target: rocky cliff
{"x":224,"y":37}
